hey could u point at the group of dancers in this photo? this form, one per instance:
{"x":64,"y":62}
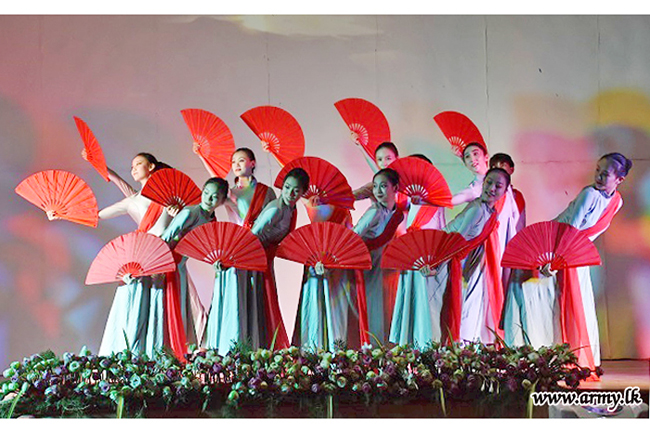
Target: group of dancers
{"x":401,"y":307}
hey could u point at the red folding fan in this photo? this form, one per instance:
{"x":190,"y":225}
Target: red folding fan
{"x":418,"y":178}
{"x":214,"y":142}
{"x":365,"y":121}
{"x":228,"y":243}
{"x":561,"y":245}
{"x":416,"y":249}
{"x":171,"y":187}
{"x":459,"y":130}
{"x":63,"y":193}
{"x":334,"y":245}
{"x":94,"y":152}
{"x":278,"y":130}
{"x":325,"y":181}
{"x":136,"y":253}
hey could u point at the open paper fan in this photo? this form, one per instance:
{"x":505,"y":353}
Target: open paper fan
{"x":366,"y":121}
{"x":63,"y":193}
{"x":136,"y":253}
{"x":416,"y":249}
{"x":561,"y":245}
{"x":278,"y":130}
{"x":418,"y":178}
{"x":333,"y":245}
{"x":459,"y":130}
{"x":93,"y":150}
{"x":325,"y":181}
{"x":171,"y":187}
{"x":213,"y":138}
{"x":228,"y":243}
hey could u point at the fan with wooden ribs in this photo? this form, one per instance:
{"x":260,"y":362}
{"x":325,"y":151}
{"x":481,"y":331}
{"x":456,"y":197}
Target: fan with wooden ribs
{"x":561,"y":245}
{"x":366,"y":122}
{"x":171,"y":187}
{"x":279,"y":132}
{"x":213,"y":141}
{"x":137,"y":253}
{"x":418,"y":178}
{"x":459,"y":131}
{"x":94,"y":153}
{"x":61,"y":194}
{"x":332,"y":245}
{"x":224,"y":242}
{"x":325,"y":181}
{"x":426,"y":247}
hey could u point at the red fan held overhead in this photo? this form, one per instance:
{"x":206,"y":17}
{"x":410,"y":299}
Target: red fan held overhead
{"x":279,"y":132}
{"x":419,"y":248}
{"x":366,"y":122}
{"x":62,"y":195}
{"x":418,"y":178}
{"x":332,"y":245}
{"x":171,"y":187}
{"x":561,"y":245}
{"x":213,"y":141}
{"x":325,"y":181}
{"x":94,"y":153}
{"x":459,"y":130}
{"x":138,"y":254}
{"x":224,"y":242}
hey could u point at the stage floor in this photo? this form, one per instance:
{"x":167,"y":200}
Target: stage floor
{"x":619,"y":374}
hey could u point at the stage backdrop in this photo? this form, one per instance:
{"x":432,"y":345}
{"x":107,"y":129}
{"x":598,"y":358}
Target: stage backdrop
{"x":554,"y":92}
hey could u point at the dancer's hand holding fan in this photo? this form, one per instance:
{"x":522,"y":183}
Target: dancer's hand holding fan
{"x":213,"y":141}
{"x":92,"y":152}
{"x":62,"y":195}
{"x":172,"y":189}
{"x":367,"y":124}
{"x":459,"y":131}
{"x":422,"y":182}
{"x":132,"y":255}
{"x":422,"y":250}
{"x":224,"y":245}
{"x":550,"y":246}
{"x":279,"y":132}
{"x":327,"y":185}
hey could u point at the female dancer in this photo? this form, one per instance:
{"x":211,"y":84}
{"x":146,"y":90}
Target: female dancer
{"x":137,"y":310}
{"x":475,"y":158}
{"x":385,"y":153}
{"x":377,"y":227}
{"x":275,"y":222}
{"x":474,"y":295}
{"x":416,"y":314}
{"x":180,"y":290}
{"x":542,"y":320}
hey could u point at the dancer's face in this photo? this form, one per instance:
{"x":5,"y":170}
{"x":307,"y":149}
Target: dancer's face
{"x":211,"y":198}
{"x":383,"y":190}
{"x":141,"y":168}
{"x":475,"y":159}
{"x":242,"y":165}
{"x":384,"y":157}
{"x":494,"y":186}
{"x":504,"y":166}
{"x":606,"y":178}
{"x":291,"y":191}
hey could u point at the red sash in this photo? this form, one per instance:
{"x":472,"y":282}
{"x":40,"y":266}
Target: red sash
{"x":572,"y":314}
{"x":272,"y":306}
{"x":388,"y":233}
{"x":453,"y":299}
{"x":173,"y":318}
{"x":519,"y":199}
{"x":256,"y":206}
{"x":424,"y":215}
{"x":150,"y":217}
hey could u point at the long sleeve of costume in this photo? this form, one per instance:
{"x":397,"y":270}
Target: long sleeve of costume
{"x":473,"y":191}
{"x":178,"y":227}
{"x":120,"y":183}
{"x":115,"y":210}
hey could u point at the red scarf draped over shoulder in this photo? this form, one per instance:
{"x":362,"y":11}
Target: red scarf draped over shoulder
{"x":256,"y":206}
{"x":372,"y":244}
{"x":572,"y":314}
{"x":272,"y":306}
{"x":424,"y":215}
{"x":453,"y":298}
{"x":150,"y":217}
